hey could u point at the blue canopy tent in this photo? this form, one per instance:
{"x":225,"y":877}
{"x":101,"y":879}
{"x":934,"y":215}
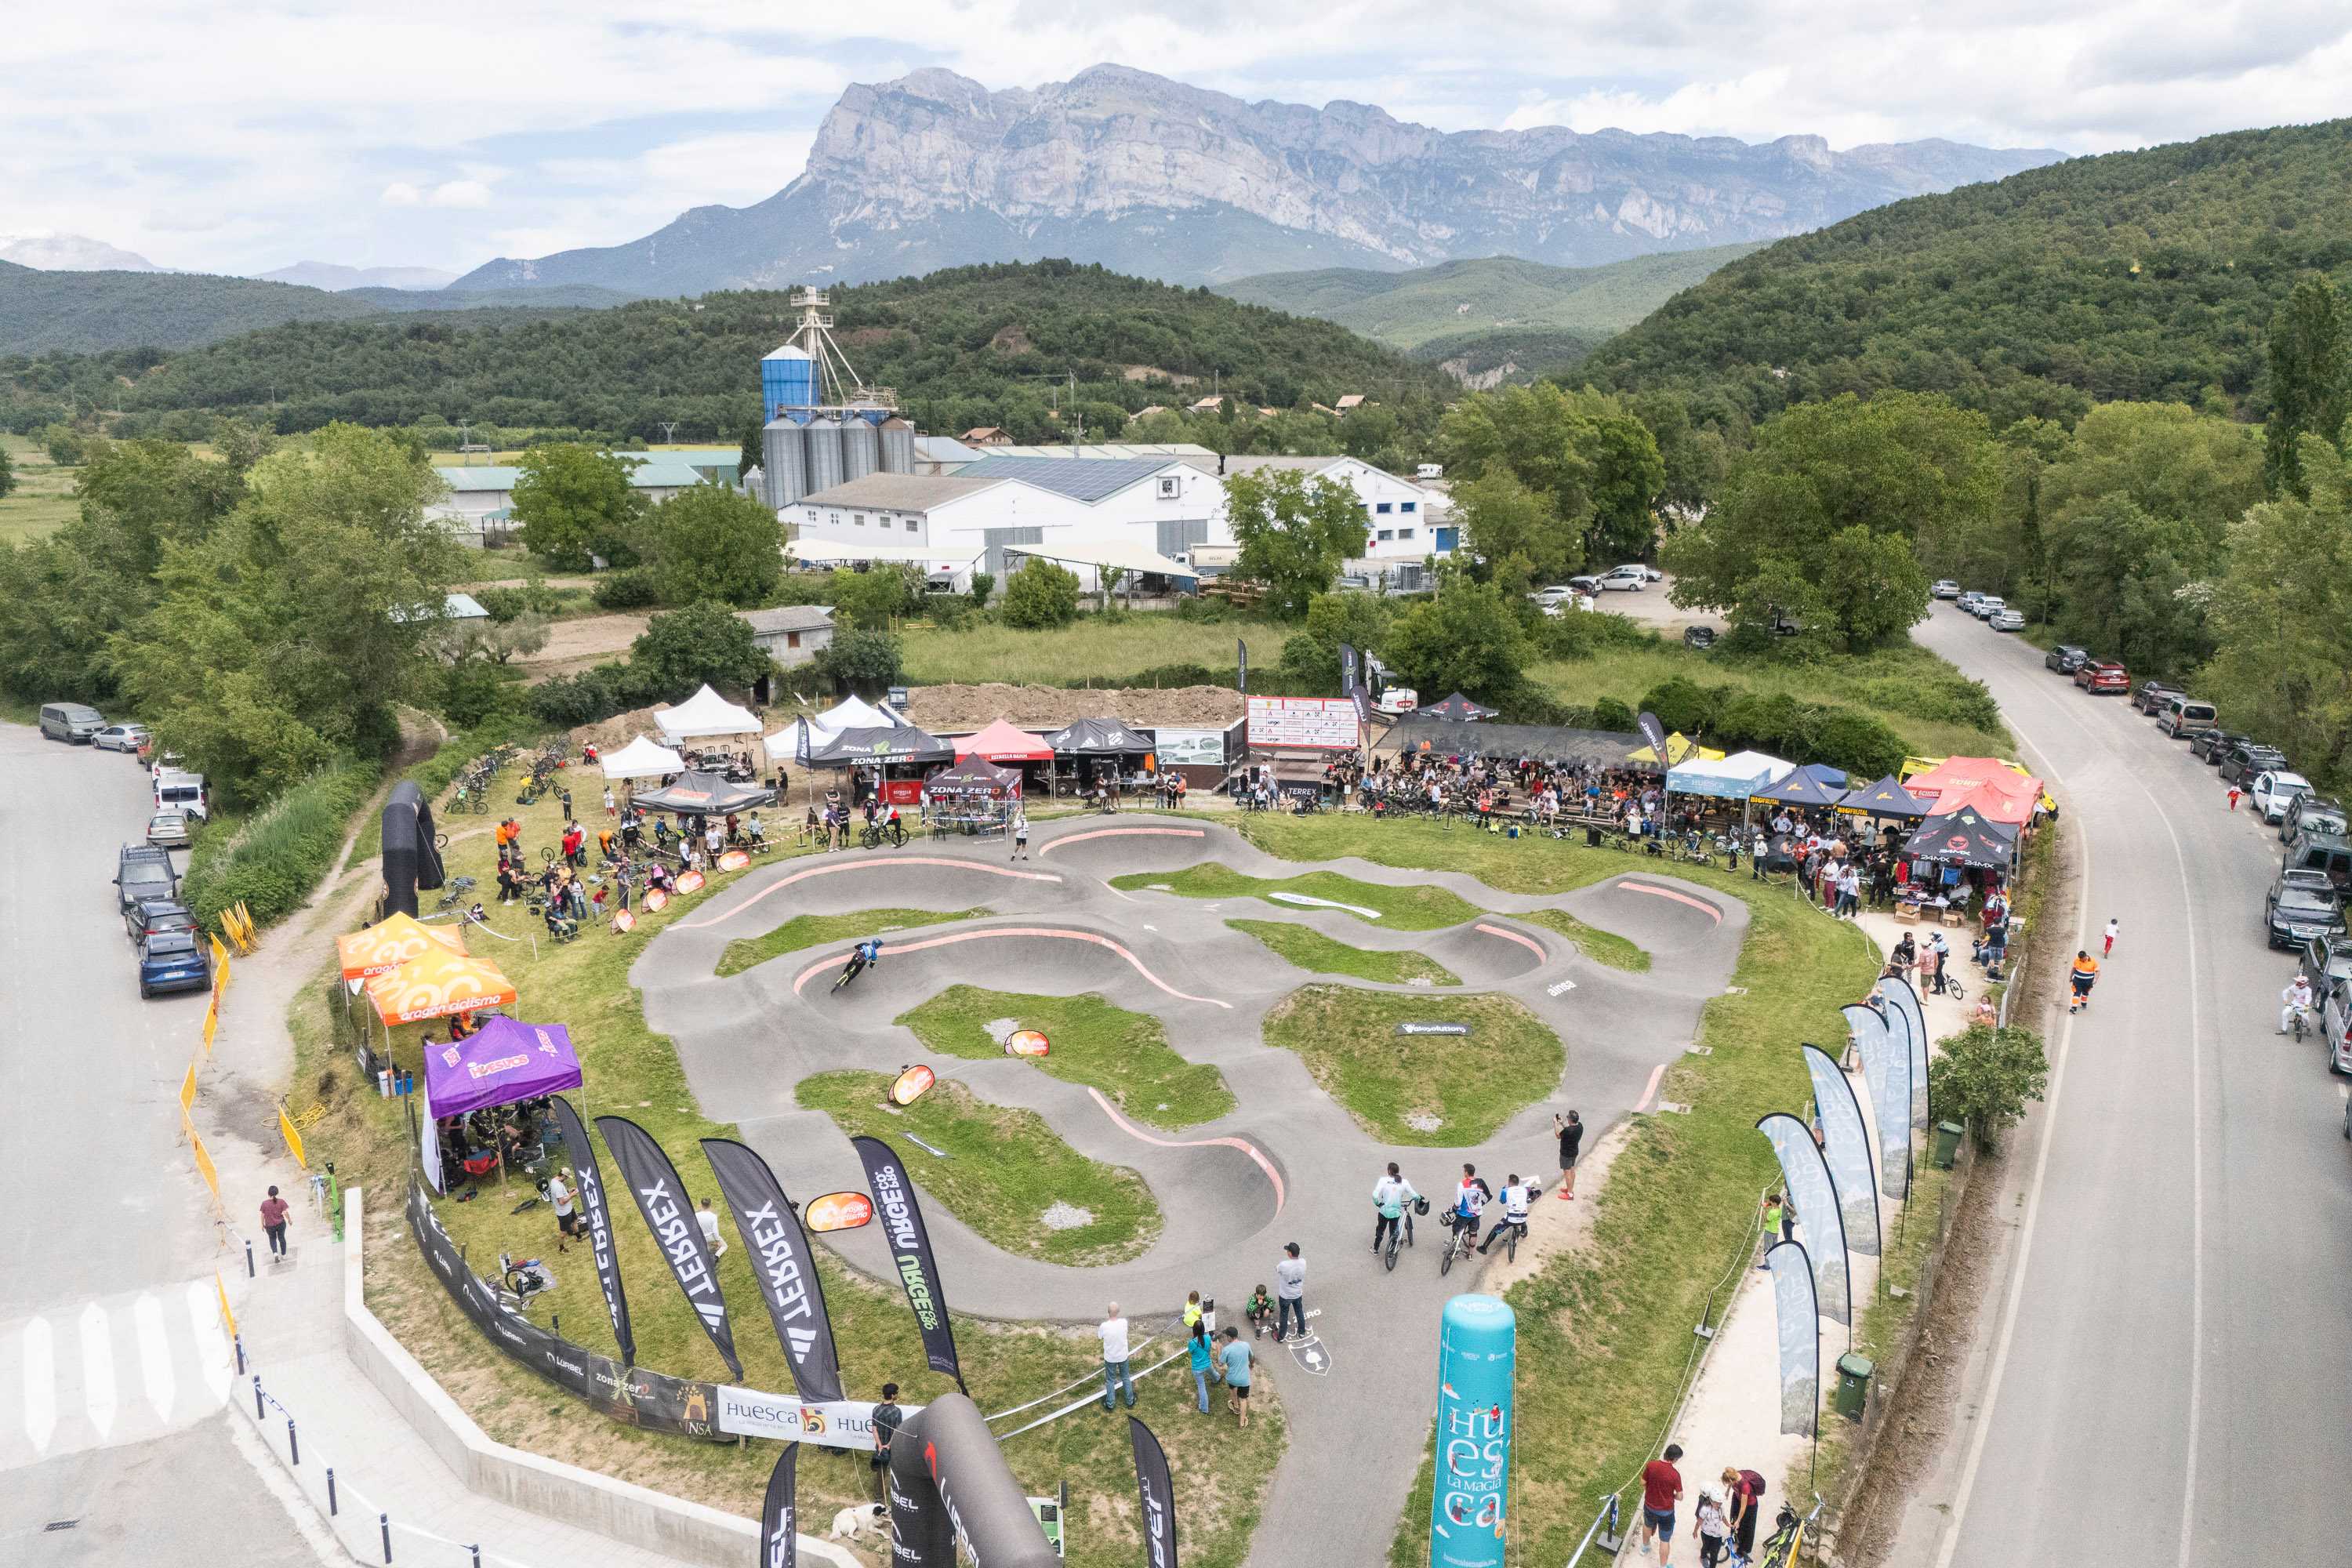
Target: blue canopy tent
{"x":1886,"y":798}
{"x":1799,"y":788}
{"x":1833,"y":777}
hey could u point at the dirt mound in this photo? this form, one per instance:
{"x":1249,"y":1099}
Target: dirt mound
{"x":963,"y":709}
{"x":611,"y":734}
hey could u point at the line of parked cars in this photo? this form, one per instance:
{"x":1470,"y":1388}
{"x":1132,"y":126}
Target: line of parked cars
{"x":171,"y":954}
{"x":1986,"y":607}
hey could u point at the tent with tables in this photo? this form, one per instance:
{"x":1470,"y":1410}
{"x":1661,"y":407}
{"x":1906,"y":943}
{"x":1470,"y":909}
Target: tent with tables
{"x":1948,"y":849}
{"x":1886,"y":798}
{"x":2010,"y":803}
{"x":1095,"y":749}
{"x":704,"y":714}
{"x":386,"y":945}
{"x":1739,"y":776}
{"x":1456,"y":708}
{"x":810,"y":731}
{"x":884,"y":747}
{"x":974,"y":796}
{"x":642,"y":758}
{"x":501,"y":1063}
{"x":436,"y":984}
{"x":1835,"y":777}
{"x":697,"y":794}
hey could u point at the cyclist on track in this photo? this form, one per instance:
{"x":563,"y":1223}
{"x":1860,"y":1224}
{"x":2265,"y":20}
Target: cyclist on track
{"x":1390,"y":1195}
{"x":1516,"y":1197}
{"x":2296,"y":999}
{"x":2087,"y":972}
{"x":868,"y":951}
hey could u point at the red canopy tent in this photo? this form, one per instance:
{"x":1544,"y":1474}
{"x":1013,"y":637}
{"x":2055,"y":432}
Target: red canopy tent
{"x":1955,"y":776}
{"x":1001,"y":743}
{"x":2011,"y":805}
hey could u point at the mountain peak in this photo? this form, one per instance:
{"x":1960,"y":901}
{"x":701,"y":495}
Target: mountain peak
{"x":49,"y":252}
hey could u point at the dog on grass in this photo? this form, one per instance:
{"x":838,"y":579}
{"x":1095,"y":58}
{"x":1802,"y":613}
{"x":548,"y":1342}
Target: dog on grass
{"x":852,"y":1523}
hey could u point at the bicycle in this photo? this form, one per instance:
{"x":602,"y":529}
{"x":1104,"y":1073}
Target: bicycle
{"x":460,"y":889}
{"x":849,"y":971}
{"x":2301,"y":1022}
{"x":1401,"y":1234}
{"x":1514,"y":1232}
{"x":1462,"y":1237}
{"x":874,"y":834}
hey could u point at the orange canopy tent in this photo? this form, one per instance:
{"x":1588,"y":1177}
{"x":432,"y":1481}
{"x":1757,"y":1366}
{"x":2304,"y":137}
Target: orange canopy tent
{"x":1001,"y":743}
{"x":385,"y":946}
{"x":1955,"y":776}
{"x":2006,"y":799}
{"x":437,"y":982}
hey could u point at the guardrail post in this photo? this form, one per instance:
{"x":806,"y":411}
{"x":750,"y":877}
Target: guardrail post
{"x":258,"y":1412}
{"x":477,"y":1550}
{"x":331,"y":1492}
{"x":238,"y":1342}
{"x":249,"y":1260}
{"x":293,"y":1445}
{"x":383,"y":1522}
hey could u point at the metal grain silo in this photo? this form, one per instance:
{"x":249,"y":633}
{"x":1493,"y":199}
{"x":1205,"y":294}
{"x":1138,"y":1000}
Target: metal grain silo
{"x":897,"y":447}
{"x":787,"y":380}
{"x":825,"y":464}
{"x":861,"y":449}
{"x":784,"y":462}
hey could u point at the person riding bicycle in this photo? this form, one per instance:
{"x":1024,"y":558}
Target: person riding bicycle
{"x":2295,"y":1002}
{"x":2085,"y":974}
{"x":1390,"y":1195}
{"x":1517,"y":1196}
{"x":864,"y":953}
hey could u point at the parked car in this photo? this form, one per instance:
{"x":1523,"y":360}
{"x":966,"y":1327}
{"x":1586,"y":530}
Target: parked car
{"x":184,"y":792}
{"x":1699,"y":637}
{"x":152,"y":915}
{"x":2103,"y":679}
{"x":2294,"y":913}
{"x":71,"y":722}
{"x":1633,"y":579}
{"x":121,"y":738}
{"x":2274,"y":790}
{"x":2327,"y":854}
{"x":2247,"y":758}
{"x":2006,"y":620}
{"x":2182,"y":717}
{"x":2327,"y":963}
{"x":1968,"y":601}
{"x":173,"y":960}
{"x":1944,"y":588}
{"x":168,"y":830}
{"x":1988,"y":606}
{"x":2336,"y":1033}
{"x":2311,"y":812}
{"x":143,"y":871}
{"x":2066,"y":658}
{"x":2152,"y":692}
{"x":2214,"y":744}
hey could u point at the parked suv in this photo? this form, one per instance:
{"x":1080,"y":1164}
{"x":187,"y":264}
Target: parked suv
{"x":2215,"y":744}
{"x":2328,"y":962}
{"x":2336,"y":1032}
{"x":2185,"y":716}
{"x":2275,"y":789}
{"x":2247,"y":758}
{"x":143,"y":871}
{"x":2295,"y":913}
{"x":2066,"y":658}
{"x":1987,"y":606}
{"x":2101,"y":679}
{"x":2329,"y":853}
{"x":71,"y":722}
{"x":2311,"y":812}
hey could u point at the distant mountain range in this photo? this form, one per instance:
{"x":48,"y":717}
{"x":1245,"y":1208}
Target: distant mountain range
{"x":335,"y":277}
{"x":71,"y":253}
{"x":1155,"y":178}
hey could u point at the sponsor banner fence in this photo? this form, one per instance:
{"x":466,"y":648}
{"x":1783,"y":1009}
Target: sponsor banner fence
{"x":781,"y":1417}
{"x":782,"y":1262}
{"x":1798,"y":1318}
{"x":598,"y":1212}
{"x":1814,"y":1194}
{"x":1312,"y":723}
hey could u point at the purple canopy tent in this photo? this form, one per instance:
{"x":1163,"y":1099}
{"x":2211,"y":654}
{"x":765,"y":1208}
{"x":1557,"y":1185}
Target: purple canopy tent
{"x":502,"y":1062}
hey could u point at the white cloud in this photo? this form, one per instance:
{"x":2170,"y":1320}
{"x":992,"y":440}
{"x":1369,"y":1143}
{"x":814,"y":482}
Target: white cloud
{"x":202,"y":142}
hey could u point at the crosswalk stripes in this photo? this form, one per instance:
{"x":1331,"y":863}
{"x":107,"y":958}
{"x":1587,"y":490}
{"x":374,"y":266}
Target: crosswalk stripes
{"x":120,"y":1369}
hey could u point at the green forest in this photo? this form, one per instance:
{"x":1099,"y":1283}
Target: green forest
{"x":1034,"y":347}
{"x":2145,"y":276}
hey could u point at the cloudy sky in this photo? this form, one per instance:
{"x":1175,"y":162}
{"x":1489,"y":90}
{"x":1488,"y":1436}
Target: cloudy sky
{"x":244,"y":138}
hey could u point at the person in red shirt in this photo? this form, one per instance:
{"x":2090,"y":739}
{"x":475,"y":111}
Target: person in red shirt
{"x":1662,"y":1487}
{"x":273,"y":1222}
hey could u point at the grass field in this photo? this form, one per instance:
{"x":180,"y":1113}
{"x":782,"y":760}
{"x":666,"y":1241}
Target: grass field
{"x":1221,"y":1474}
{"x":1312,"y":950}
{"x":1094,"y":650}
{"x":43,"y":497}
{"x":1400,"y":908}
{"x":1410,"y":1088}
{"x":1004,"y":1171}
{"x":1601,"y":946}
{"x":1125,"y":1055}
{"x":816,"y":931}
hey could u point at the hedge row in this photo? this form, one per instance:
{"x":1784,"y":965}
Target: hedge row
{"x":271,"y":862}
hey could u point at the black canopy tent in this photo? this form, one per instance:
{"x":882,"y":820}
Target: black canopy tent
{"x":697,"y":794}
{"x":1097,"y":751}
{"x":1965,"y":839}
{"x":1456,"y":708}
{"x":973,"y":778}
{"x":881,"y":745}
{"x":1887,"y":797}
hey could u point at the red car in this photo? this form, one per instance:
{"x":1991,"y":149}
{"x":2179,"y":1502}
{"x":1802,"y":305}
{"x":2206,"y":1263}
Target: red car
{"x":2097,"y":678}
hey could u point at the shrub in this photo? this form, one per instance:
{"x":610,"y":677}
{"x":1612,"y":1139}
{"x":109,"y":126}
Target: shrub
{"x":474,"y":689}
{"x":631,"y":588}
{"x":1041,"y":596}
{"x":1856,"y":742}
{"x":567,"y":701}
{"x":503,"y":603}
{"x":1986,"y":1075}
{"x":271,"y":862}
{"x":860,"y":660}
{"x":1574,"y":634}
{"x":1608,"y":714}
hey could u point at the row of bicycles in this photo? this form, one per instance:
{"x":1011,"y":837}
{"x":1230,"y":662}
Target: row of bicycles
{"x":472,"y":795}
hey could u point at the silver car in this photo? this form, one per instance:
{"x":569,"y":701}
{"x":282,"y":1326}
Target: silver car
{"x":168,"y":830}
{"x":120,"y":738}
{"x":2006,"y":621}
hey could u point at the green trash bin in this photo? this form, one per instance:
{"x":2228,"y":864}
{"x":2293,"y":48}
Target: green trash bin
{"x":1947,"y":1144}
{"x":1853,"y":1384}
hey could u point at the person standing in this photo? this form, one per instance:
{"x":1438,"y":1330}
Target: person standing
{"x":1289,"y":1292}
{"x":1756,"y":857}
{"x":1112,"y":1331}
{"x":1746,"y":1491}
{"x":1569,"y":1131}
{"x":273,"y":1223}
{"x":611,"y":807}
{"x":709,"y":1220}
{"x":1713,"y":1531}
{"x":888,"y":1418}
{"x":559,"y":1197}
{"x":1662,"y":1487}
{"x":1234,"y":1363}
{"x":1198,"y":1342}
{"x":2233,"y":797}
{"x":1020,"y":834}
{"x":1776,"y":1218}
{"x":1390,"y":1195}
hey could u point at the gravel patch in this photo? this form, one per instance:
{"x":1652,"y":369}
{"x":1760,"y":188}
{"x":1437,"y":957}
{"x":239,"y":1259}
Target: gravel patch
{"x":1422,"y":1121}
{"x":1066,"y":1216}
{"x":999,"y":1029}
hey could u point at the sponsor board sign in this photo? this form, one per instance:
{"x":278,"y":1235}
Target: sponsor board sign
{"x":829,"y":1424}
{"x":912,"y":1085}
{"x":1026,"y":1043}
{"x":1190,"y":747}
{"x":1312,"y":723}
{"x":1433,"y":1028}
{"x":838,"y":1211}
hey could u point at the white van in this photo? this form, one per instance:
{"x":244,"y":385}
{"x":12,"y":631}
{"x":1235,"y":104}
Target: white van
{"x":182,"y":793}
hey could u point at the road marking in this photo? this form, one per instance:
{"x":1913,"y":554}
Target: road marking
{"x":97,"y":1369}
{"x":40,"y":1383}
{"x":1054,"y":844}
{"x":1527,"y":942}
{"x":1650,"y":1088}
{"x":1310,"y":1354}
{"x":1558,"y":987}
{"x":1655,"y":891}
{"x":822,"y":965}
{"x":154,"y":1355}
{"x":214,"y":1354}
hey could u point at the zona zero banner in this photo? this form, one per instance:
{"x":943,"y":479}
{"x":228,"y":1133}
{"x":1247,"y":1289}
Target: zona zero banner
{"x":661,"y":1198}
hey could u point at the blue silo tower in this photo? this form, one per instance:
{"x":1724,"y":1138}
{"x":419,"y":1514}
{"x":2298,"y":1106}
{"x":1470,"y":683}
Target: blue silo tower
{"x":787,"y":380}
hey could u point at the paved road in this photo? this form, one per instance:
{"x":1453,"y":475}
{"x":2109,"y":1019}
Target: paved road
{"x":107,"y":1371}
{"x":2162,"y":1370}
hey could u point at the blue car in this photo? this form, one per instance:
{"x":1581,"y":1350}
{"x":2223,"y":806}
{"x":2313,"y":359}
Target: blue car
{"x":173,"y":960}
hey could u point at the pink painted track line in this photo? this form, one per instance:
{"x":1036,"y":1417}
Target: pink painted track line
{"x":832,"y":867}
{"x":1650,"y":1089}
{"x":824,"y":965}
{"x":1246,"y":1147}
{"x":1709,"y":910}
{"x":1528,"y":943}
{"x":1120,"y":833}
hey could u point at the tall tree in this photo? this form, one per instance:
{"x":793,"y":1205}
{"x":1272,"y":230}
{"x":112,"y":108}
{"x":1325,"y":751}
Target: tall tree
{"x":1466,"y":638}
{"x":714,"y":543}
{"x":702,"y":644}
{"x":1294,"y":533}
{"x":1503,"y":522}
{"x":7,"y":472}
{"x":2308,"y":364}
{"x":575,"y":502}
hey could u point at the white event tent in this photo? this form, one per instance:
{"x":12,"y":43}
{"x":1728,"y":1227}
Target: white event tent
{"x":1735,"y":777}
{"x":705,"y":713}
{"x":643,"y":759}
{"x":849,"y":713}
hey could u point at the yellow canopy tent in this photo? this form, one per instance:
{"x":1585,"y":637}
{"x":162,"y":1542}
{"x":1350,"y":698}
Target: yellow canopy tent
{"x":1680,"y":749}
{"x":436,"y":984}
{"x":386,"y":945}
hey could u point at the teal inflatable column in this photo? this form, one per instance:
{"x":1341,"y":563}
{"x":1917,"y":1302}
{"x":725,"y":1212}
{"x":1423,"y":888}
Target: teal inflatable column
{"x":1477,"y":1353}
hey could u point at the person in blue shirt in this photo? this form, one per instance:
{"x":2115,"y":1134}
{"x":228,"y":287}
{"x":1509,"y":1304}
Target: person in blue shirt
{"x":864,"y":953}
{"x":1200,"y":1364}
{"x":1233,"y":1362}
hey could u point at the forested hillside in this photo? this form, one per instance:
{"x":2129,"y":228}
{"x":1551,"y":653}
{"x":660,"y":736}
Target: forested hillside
{"x":975,"y":345}
{"x":2147,"y":275}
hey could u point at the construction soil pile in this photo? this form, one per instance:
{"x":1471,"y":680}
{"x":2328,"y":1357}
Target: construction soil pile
{"x":960,"y":709}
